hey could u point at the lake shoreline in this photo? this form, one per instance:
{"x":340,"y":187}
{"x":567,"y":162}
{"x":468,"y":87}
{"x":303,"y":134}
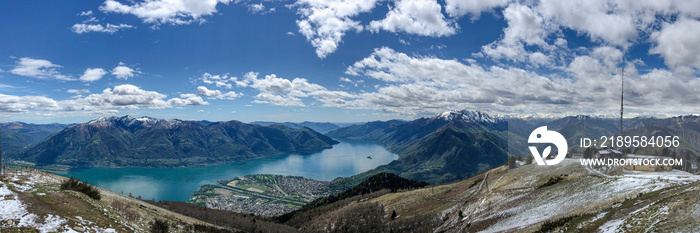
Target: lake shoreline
{"x":345,"y":159}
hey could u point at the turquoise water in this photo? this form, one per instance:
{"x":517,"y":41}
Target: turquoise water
{"x":177,"y":184}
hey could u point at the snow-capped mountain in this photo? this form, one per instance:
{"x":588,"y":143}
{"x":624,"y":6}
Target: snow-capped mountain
{"x":469,"y":116}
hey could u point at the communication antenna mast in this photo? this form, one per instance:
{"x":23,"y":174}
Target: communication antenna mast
{"x":2,"y":166}
{"x":622,"y":97}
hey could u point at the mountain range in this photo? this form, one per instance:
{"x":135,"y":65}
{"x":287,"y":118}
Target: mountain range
{"x":321,"y":127}
{"x":150,"y":142}
{"x":16,"y":135}
{"x":443,"y":148}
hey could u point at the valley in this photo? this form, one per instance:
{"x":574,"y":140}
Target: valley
{"x":262,"y":195}
{"x":442,"y":173}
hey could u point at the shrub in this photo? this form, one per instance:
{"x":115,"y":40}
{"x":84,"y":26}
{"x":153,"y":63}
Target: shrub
{"x":125,"y":211}
{"x":160,"y":226}
{"x":83,"y":187}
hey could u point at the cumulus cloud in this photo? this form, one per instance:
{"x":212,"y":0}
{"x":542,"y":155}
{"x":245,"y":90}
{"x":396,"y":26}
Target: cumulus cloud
{"x":525,"y":28}
{"x":92,"y":74}
{"x":260,"y":9}
{"x":78,"y":91}
{"x":187,"y":99}
{"x":324,"y":23}
{"x":221,"y":81}
{"x":459,"y":8}
{"x":11,"y":103}
{"x":85,"y":13}
{"x":175,"y":12}
{"x":420,"y":17}
{"x":284,"y":92}
{"x":124,"y":72}
{"x":81,"y":28}
{"x":38,"y":68}
{"x":130,"y":96}
{"x":423,"y":84}
{"x":216,"y":94}
{"x":535,"y":34}
{"x":678,"y":43}
{"x":118,"y":97}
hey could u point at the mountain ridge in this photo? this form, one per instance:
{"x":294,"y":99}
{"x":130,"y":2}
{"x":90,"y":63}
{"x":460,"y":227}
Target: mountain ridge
{"x":151,"y":142}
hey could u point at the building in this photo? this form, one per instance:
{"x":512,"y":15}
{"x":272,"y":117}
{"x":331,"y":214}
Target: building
{"x":646,"y":167}
{"x":608,"y":153}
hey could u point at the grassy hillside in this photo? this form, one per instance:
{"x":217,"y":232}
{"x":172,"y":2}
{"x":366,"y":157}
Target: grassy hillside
{"x":32,"y":201}
{"x":566,"y":197}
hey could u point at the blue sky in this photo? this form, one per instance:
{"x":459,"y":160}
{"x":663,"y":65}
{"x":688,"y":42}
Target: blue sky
{"x":345,"y":61}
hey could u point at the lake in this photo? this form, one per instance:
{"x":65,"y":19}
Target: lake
{"x":177,"y":184}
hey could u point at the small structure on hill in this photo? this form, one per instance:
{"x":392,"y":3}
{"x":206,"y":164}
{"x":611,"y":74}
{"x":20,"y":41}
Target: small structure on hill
{"x":608,"y":153}
{"x":653,"y":167}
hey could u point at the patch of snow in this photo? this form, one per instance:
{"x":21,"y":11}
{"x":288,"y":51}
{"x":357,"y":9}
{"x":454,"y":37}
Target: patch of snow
{"x":595,"y":218}
{"x":10,"y":209}
{"x":51,"y":223}
{"x":611,"y":226}
{"x":558,"y":202}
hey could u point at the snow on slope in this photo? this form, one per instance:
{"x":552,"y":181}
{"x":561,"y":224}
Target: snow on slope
{"x":14,"y":212}
{"x":514,"y":202}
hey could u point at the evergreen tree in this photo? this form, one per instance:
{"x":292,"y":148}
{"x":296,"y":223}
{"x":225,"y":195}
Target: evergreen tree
{"x":528,"y":159}
{"x":511,"y":162}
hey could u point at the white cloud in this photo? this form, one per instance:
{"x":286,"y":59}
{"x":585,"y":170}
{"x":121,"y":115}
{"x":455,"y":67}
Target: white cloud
{"x":78,"y":91}
{"x":175,"y":12}
{"x":679,"y":43}
{"x":418,"y":85}
{"x":285,"y":92}
{"x":85,"y":13}
{"x":130,"y":96}
{"x":81,"y":28}
{"x":267,"y":98}
{"x":344,"y":79}
{"x":599,"y":19}
{"x":260,"y":8}
{"x":10,"y":103}
{"x":38,"y":68}
{"x":92,"y":74}
{"x":119,"y":97}
{"x":525,"y":28}
{"x":459,"y":8}
{"x":274,"y":85}
{"x":91,"y":20}
{"x":420,"y":17}
{"x":216,"y":94}
{"x":187,"y":99}
{"x":536,"y":31}
{"x":324,"y":22}
{"x":124,"y":72}
{"x":219,"y":80}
